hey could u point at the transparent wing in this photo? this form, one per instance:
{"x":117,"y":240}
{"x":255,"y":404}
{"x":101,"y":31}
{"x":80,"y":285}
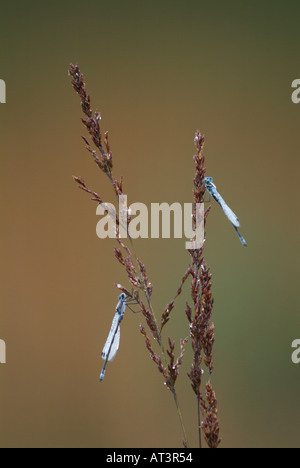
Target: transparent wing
{"x":113,"y":340}
{"x":115,"y":346}
{"x":227,"y":211}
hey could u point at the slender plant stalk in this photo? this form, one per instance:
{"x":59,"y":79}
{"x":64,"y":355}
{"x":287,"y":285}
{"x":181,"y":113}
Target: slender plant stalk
{"x":180,"y":418}
{"x":199,"y":423}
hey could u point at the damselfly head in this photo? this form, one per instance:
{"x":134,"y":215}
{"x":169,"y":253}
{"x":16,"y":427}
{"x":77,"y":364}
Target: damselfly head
{"x":122,"y":297}
{"x":207,"y":180}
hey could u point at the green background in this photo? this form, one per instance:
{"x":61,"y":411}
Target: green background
{"x":157,"y":71}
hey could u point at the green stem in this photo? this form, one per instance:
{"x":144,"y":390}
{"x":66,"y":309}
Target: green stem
{"x":199,"y":422}
{"x":179,"y":415}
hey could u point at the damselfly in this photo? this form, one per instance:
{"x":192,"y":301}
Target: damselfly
{"x":113,"y":340}
{"x":212,"y":189}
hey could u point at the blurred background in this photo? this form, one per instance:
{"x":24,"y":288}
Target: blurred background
{"x":157,"y":71}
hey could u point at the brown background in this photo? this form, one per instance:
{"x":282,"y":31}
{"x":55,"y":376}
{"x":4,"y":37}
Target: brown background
{"x":157,"y":71}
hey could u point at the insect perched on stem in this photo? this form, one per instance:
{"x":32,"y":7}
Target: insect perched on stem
{"x":212,"y":190}
{"x":113,"y":340}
